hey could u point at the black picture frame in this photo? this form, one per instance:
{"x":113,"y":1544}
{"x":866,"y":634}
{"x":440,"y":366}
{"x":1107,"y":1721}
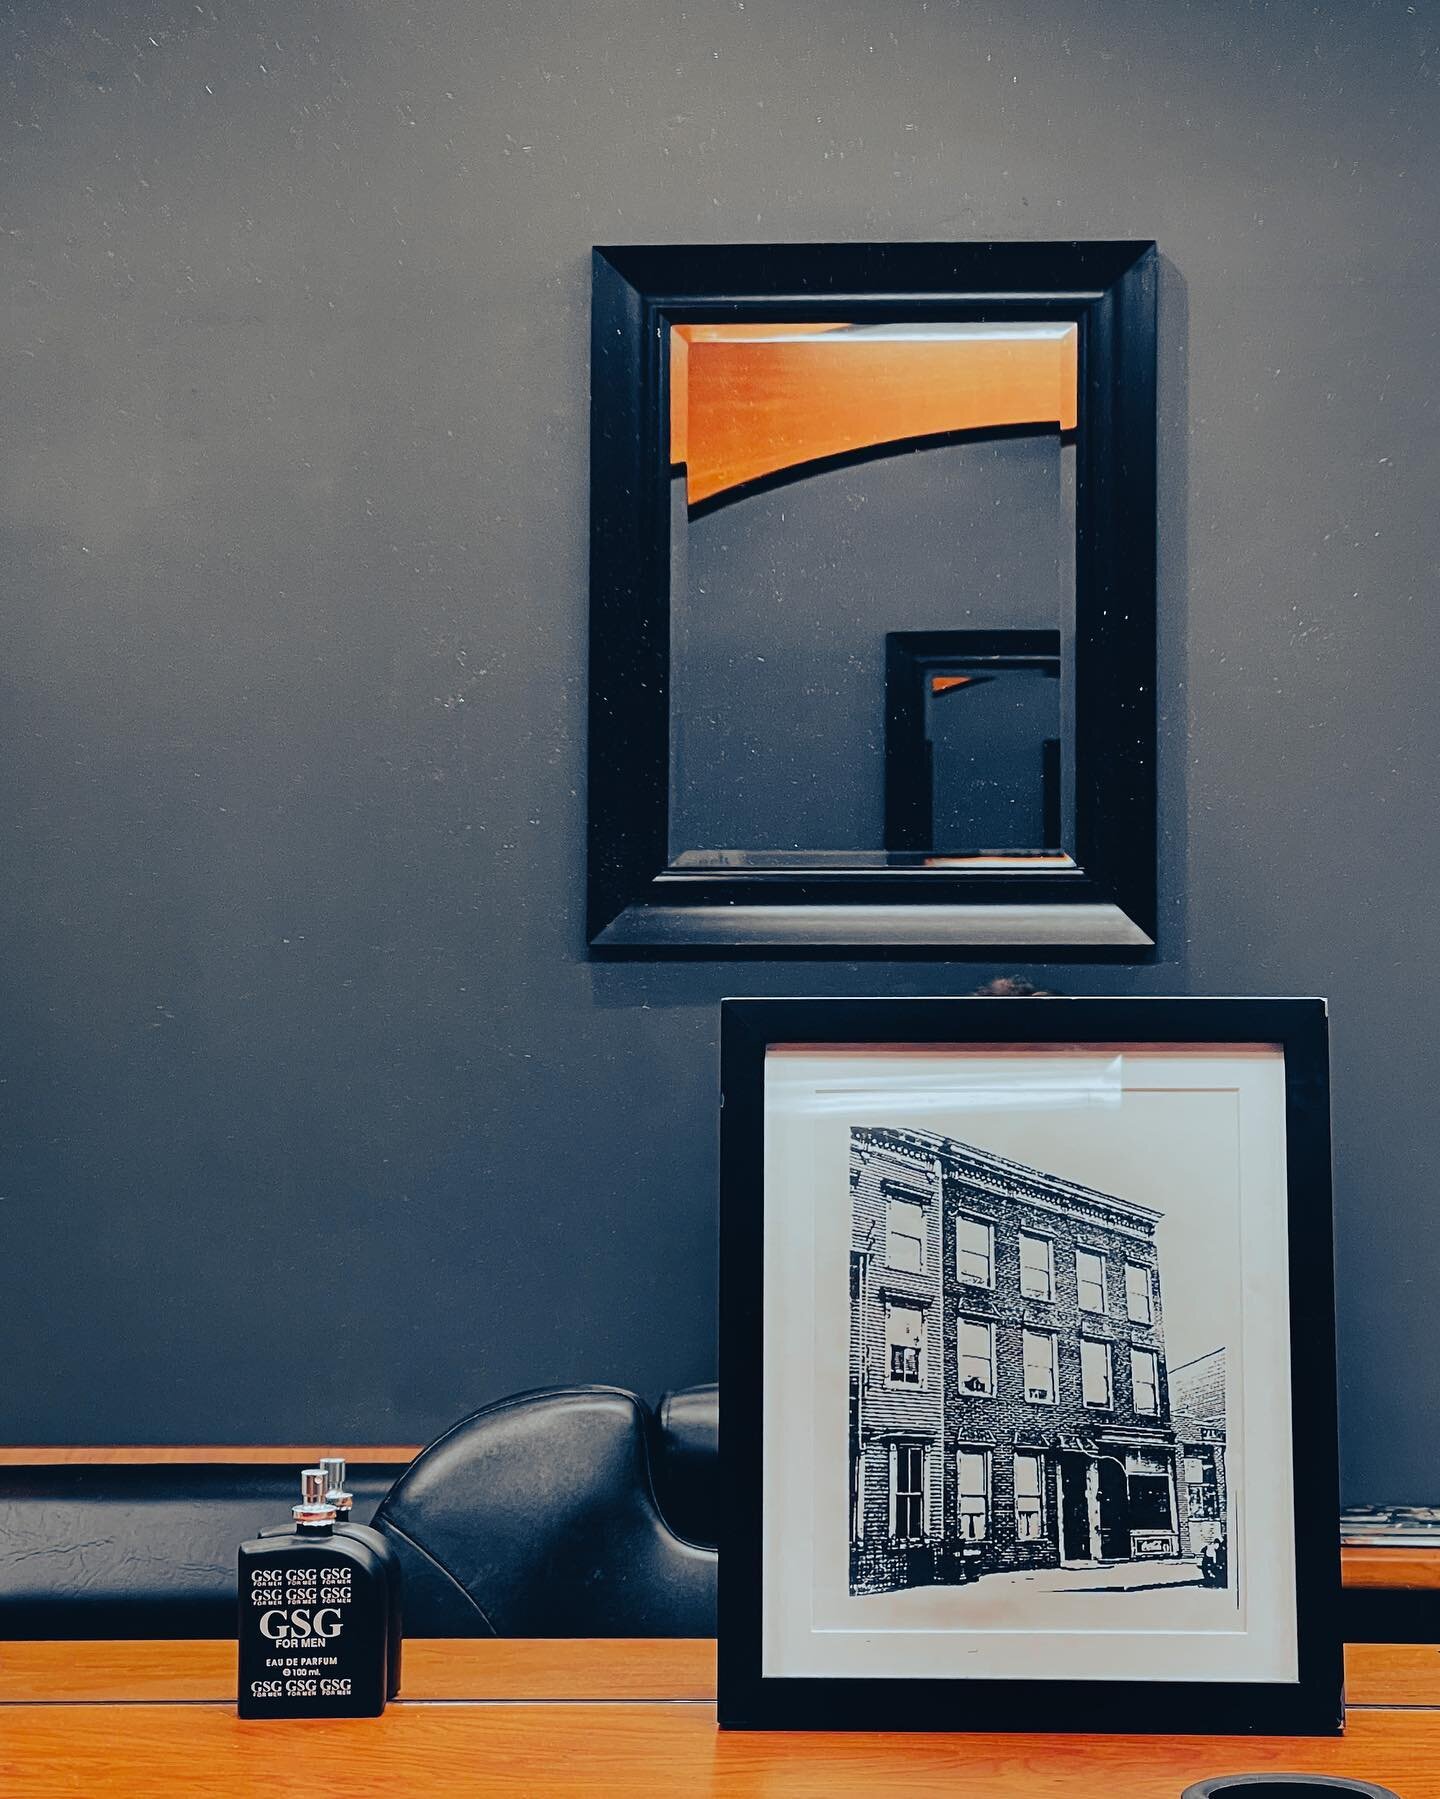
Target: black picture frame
{"x":750,"y":1699}
{"x":639,"y":901}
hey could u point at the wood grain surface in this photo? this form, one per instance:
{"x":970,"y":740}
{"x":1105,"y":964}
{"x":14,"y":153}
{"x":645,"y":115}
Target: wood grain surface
{"x":435,"y":1668}
{"x":741,"y":410}
{"x":537,"y":1669}
{"x":644,"y":1751}
{"x":1391,"y":1569}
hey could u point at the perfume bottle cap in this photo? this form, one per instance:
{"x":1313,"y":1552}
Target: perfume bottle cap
{"x":314,"y":1506}
{"x":335,"y":1489}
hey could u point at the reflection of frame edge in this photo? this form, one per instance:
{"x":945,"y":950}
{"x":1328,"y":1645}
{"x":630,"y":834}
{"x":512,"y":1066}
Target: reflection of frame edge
{"x":1313,"y":1705}
{"x":908,"y":799}
{"x":636,"y":902}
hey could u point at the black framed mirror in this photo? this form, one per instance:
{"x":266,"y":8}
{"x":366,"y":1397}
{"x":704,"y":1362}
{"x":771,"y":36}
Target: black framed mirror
{"x":873,"y":599}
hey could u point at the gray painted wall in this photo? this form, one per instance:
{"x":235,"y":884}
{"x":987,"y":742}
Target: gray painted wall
{"x":318,"y":1122}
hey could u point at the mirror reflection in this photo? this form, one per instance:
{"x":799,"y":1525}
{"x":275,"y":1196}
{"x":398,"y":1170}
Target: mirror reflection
{"x":872,"y":594}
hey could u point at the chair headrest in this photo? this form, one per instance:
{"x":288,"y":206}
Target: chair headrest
{"x":687,"y":1462}
{"x":541,"y":1511}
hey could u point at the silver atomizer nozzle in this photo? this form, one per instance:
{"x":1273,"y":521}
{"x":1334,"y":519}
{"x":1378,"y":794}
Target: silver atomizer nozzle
{"x":335,"y":1489}
{"x":315,"y":1506}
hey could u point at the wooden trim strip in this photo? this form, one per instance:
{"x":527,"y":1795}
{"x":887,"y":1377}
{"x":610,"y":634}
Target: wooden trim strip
{"x":133,"y":1454}
{"x":1399,"y":1570}
{"x":436,"y":1668}
{"x":450,"y":1669}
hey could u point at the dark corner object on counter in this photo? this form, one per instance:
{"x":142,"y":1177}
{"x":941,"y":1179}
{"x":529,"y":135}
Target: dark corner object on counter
{"x":314,"y":1616}
{"x":331,"y":1473}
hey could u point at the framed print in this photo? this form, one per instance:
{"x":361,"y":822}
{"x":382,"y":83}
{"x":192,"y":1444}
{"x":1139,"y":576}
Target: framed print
{"x":1027,"y":1346}
{"x":873,"y":599}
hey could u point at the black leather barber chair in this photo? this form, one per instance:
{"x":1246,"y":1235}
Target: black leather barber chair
{"x":571,"y":1512}
{"x":102,"y":1549}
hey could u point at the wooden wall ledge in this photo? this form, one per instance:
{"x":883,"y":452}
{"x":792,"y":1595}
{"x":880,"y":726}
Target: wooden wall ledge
{"x":142,"y":1454}
{"x":456,"y":1669}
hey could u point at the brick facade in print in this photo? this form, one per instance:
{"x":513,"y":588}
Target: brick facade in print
{"x":1010,"y":1405}
{"x":896,"y":1408}
{"x":1197,"y":1398}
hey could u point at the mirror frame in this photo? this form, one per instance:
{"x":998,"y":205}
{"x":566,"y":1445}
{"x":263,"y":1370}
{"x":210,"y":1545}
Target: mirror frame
{"x":638,"y":903}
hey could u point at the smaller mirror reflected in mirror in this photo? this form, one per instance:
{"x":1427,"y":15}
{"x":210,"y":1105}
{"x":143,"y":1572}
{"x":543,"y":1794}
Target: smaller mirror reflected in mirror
{"x":974,"y":773}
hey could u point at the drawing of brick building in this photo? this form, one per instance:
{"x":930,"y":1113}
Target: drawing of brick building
{"x":1009,"y":1398}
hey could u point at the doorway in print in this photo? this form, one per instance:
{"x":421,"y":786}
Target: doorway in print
{"x":1076,"y":1536}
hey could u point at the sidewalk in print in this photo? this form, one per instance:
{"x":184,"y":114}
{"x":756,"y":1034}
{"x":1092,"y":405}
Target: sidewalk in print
{"x":1126,"y":1596}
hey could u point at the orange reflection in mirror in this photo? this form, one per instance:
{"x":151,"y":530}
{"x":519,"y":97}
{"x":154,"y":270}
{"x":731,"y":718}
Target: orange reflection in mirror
{"x":748,"y":401}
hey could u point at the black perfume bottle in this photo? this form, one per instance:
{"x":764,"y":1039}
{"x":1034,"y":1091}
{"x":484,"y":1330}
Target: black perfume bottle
{"x":314,"y":1619}
{"x":333,"y":1468}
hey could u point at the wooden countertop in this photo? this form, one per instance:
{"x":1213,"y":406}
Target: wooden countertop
{"x":647,"y":1751}
{"x":492,"y":1670}
{"x":613,"y":1720}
